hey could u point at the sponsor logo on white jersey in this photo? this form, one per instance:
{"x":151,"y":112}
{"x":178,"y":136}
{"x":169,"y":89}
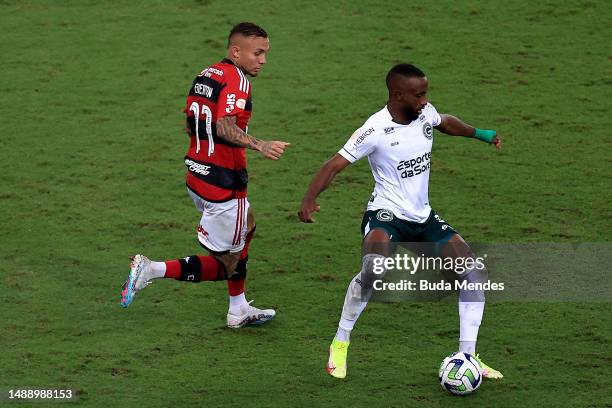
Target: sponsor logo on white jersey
{"x":415,"y":166}
{"x":362,"y":137}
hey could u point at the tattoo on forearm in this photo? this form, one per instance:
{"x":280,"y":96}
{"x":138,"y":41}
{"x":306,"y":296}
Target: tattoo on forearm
{"x":228,"y":130}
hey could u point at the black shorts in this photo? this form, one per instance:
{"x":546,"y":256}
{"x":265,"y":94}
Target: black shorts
{"x":434,"y":229}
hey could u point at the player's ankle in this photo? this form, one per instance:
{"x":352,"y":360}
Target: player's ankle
{"x":237,"y":304}
{"x":157,"y":270}
{"x":343,"y":334}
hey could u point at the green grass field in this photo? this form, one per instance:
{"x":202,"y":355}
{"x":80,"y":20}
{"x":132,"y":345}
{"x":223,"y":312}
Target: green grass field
{"x":92,"y":146}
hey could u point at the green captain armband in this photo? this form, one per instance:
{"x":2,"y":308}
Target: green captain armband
{"x":485,"y":135}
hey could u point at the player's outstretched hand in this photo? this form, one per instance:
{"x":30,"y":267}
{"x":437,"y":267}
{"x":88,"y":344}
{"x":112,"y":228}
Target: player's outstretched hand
{"x":273,"y":150}
{"x":306,"y":210}
{"x":497,"y":142}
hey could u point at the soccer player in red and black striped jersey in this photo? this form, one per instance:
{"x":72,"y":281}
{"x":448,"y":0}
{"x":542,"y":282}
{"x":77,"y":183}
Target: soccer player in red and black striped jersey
{"x":218,"y":111}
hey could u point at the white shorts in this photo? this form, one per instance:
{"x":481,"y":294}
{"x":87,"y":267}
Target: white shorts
{"x":223,"y":226}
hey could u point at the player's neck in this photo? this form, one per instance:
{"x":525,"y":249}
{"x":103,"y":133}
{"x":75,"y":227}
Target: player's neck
{"x":397,"y":115}
{"x":230,"y":60}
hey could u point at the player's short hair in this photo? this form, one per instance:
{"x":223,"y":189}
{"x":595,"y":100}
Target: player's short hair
{"x":407,"y":70}
{"x":248,"y":30}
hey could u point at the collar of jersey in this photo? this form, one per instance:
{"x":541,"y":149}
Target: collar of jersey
{"x":391,"y":118}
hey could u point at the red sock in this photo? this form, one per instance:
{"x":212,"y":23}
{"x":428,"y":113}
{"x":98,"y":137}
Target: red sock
{"x":173,"y":269}
{"x":236,"y":287}
{"x":196,"y":268}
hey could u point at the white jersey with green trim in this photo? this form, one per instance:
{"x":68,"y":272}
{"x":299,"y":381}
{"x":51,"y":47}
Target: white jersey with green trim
{"x":400,"y":159}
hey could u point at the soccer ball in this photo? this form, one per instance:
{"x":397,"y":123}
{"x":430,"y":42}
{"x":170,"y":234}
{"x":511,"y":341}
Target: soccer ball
{"x":460,"y":374}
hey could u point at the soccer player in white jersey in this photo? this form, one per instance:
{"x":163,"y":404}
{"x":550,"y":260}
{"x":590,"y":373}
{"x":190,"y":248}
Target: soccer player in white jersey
{"x":397,"y":141}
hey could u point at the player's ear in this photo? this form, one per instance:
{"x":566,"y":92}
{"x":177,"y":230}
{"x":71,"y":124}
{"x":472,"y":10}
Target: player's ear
{"x":234,"y":50}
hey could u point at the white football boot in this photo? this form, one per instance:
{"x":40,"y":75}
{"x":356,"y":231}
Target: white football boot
{"x":138,"y":279}
{"x":250,"y":316}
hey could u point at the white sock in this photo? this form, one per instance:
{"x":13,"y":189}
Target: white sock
{"x":351,"y":310}
{"x":158,"y":269}
{"x":356,"y":298}
{"x":344,"y":329}
{"x":237,"y":303}
{"x":342,"y":334}
{"x":470,"y":317}
{"x":467,"y":347}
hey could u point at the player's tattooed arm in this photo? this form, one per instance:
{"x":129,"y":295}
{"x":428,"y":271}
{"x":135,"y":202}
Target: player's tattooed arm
{"x":228,"y":129}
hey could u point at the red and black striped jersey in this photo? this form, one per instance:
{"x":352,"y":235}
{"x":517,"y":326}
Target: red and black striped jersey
{"x":216,"y":168}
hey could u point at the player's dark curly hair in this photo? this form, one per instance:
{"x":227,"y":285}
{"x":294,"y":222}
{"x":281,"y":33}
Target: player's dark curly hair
{"x":247,"y":30}
{"x":407,"y":70}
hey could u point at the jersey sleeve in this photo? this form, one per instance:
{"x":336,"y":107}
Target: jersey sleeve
{"x":361,"y":143}
{"x":234,"y":95}
{"x":433,"y":115}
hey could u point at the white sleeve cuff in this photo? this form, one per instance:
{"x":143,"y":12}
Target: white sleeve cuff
{"x":344,"y":153}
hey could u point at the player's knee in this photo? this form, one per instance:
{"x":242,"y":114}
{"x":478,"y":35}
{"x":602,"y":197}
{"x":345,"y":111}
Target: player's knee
{"x":456,"y":247}
{"x":241,"y":269}
{"x":378,"y":241}
{"x":372,"y":268}
{"x":229,"y":261}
